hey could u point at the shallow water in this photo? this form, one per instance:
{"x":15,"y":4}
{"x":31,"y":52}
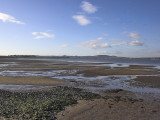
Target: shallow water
{"x":5,"y":64}
{"x":155,"y":62}
{"x":34,"y":73}
{"x":110,"y":82}
{"x":22,"y":87}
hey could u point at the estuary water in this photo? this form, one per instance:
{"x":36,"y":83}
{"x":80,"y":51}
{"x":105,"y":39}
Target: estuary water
{"x":153,"y":62}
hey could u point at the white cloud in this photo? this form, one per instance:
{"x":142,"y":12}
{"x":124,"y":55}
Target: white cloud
{"x":100,"y":44}
{"x":39,"y":35}
{"x":88,"y":7}
{"x":135,"y":43}
{"x":81,"y":19}
{"x":135,"y":40}
{"x":64,"y":46}
{"x":100,"y":38}
{"x":9,"y":18}
{"x":47,"y":34}
{"x":131,"y":43}
{"x":34,"y":33}
{"x":95,"y":44}
{"x":119,"y":43}
{"x":134,"y":36}
{"x":105,"y":45}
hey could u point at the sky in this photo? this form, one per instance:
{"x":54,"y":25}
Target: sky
{"x":127,"y":28}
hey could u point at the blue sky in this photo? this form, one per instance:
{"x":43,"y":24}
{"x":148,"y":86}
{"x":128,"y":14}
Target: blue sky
{"x":128,"y":28}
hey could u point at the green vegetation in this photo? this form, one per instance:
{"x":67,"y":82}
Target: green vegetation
{"x":40,"y":104}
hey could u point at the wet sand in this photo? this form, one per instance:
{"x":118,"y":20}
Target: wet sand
{"x":139,"y":67}
{"x":102,"y":109}
{"x":114,"y":106}
{"x":102,"y":72}
{"x":31,"y":81}
{"x":152,"y":81}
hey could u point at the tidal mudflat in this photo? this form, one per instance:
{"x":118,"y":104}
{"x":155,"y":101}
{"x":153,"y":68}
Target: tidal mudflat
{"x":120,"y":89}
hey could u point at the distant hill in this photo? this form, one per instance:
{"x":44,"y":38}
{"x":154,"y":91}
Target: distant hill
{"x":74,"y":57}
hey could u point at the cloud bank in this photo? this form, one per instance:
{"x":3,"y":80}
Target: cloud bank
{"x":98,"y":44}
